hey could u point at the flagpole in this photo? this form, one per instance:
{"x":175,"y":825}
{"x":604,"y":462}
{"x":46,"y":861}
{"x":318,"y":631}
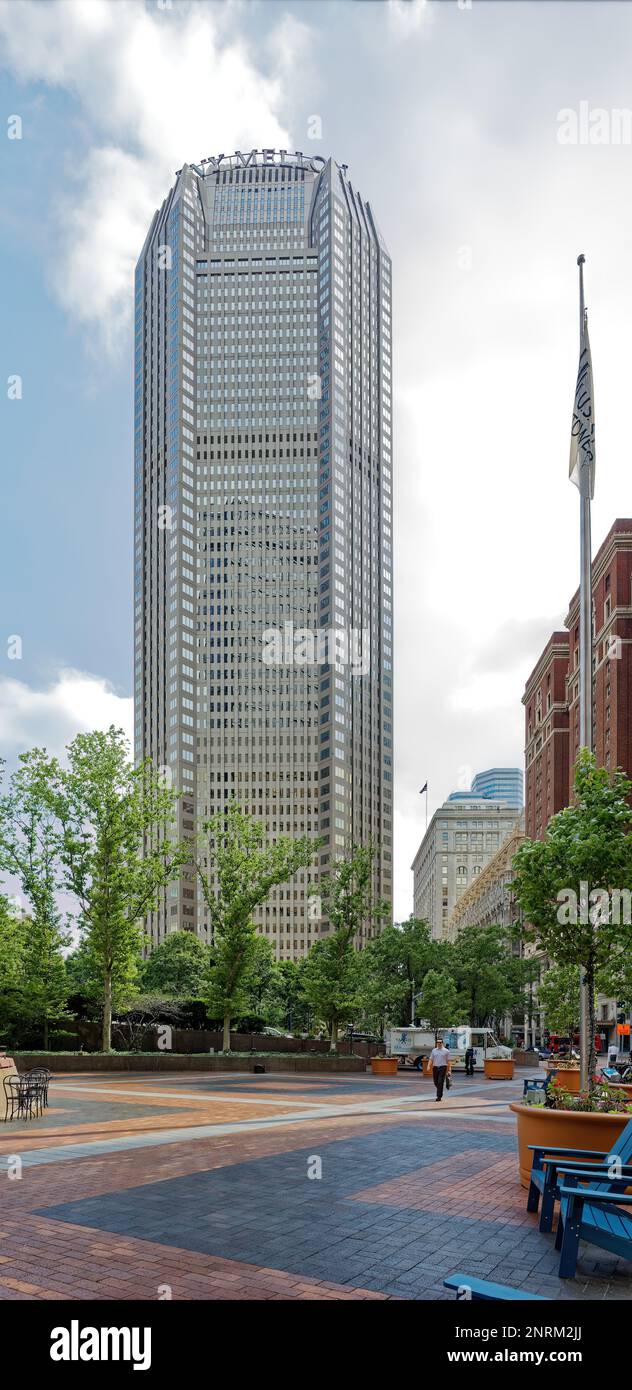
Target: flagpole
{"x":585,"y":665}
{"x":424,"y":791}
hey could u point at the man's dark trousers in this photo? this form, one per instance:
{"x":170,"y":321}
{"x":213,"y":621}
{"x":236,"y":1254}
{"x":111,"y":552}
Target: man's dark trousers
{"x":438,"y":1076}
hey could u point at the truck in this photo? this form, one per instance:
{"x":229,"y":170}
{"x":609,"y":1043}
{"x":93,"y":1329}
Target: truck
{"x":412,"y":1045}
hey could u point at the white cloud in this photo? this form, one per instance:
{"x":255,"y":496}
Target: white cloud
{"x":159,"y":87}
{"x":73,"y":703}
{"x":407,"y":17}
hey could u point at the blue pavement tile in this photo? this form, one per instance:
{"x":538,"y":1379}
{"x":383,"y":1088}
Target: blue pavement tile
{"x":267,"y":1212}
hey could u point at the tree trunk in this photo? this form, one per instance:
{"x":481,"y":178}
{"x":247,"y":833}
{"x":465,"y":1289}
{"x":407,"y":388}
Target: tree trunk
{"x":226,"y":1035}
{"x":45,"y":1034}
{"x":333,"y":1036}
{"x":592,"y":1059}
{"x":106,"y":1039}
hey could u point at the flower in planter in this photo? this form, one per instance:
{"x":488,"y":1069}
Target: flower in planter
{"x":602,"y":1101}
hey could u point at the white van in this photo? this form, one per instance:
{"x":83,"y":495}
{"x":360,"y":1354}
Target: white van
{"x":483,"y":1041}
{"x":413,"y":1044}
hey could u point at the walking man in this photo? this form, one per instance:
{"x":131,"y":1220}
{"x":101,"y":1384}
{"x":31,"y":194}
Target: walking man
{"x":469,"y":1061}
{"x":440,"y":1063}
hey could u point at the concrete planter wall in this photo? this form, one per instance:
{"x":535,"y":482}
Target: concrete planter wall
{"x":169,"y":1062}
{"x":567,"y":1129}
{"x":199,"y":1040}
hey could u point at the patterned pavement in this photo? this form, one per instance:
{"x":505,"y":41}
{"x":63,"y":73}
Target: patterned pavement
{"x":268,"y":1187}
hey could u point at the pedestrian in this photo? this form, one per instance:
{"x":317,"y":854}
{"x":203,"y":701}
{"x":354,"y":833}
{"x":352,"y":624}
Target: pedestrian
{"x":469,"y":1061}
{"x":440,"y":1063}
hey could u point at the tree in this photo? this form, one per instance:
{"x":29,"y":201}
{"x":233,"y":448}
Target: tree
{"x":13,"y":928}
{"x":393,"y":967}
{"x":558,"y":996}
{"x":332,"y":982}
{"x":29,"y":849}
{"x":346,"y":896}
{"x":295,"y":1010}
{"x":117,"y":855}
{"x":489,"y":977}
{"x":266,"y":985}
{"x":570,"y":884}
{"x":177,"y":967}
{"x":438,"y":1002}
{"x":142,"y":1014}
{"x":615,"y":978}
{"x":236,"y":871}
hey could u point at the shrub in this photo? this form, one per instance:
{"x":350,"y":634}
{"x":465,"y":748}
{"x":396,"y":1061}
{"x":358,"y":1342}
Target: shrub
{"x":603,"y":1100}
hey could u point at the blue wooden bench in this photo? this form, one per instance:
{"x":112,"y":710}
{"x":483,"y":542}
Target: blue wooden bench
{"x":535,"y":1086}
{"x":481,"y":1289}
{"x":548,"y":1161}
{"x":587,"y":1213}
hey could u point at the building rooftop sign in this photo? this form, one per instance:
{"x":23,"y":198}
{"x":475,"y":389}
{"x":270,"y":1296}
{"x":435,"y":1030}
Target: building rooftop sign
{"x":215,"y":164}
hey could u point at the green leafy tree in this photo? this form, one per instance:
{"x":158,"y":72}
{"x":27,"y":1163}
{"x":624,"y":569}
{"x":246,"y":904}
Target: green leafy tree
{"x":438,"y":1000}
{"x":332,"y":982}
{"x":29,"y":849}
{"x":565,"y":884}
{"x":177,"y":967}
{"x":393,"y":967}
{"x":347,"y":898}
{"x":13,"y":929}
{"x":558,"y":997}
{"x":294,"y":1009}
{"x":347,"y":902}
{"x":236,"y":871}
{"x":117,"y":854}
{"x":615,"y":977}
{"x":142,"y":1013}
{"x":490,"y":978}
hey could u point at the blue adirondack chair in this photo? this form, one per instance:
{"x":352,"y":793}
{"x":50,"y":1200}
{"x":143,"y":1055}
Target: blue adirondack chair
{"x":548,"y":1161}
{"x":481,"y":1289}
{"x":588,"y":1213}
{"x":535,"y":1086}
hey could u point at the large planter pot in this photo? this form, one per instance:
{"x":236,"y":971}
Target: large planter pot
{"x":568,"y":1078}
{"x":499,"y":1068}
{"x":426,"y":1067}
{"x":626,"y":1091}
{"x":566,"y":1129}
{"x":384,"y":1066}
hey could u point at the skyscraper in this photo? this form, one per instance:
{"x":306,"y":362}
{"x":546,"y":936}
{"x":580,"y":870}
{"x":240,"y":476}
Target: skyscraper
{"x":501,"y":784}
{"x":263,"y":531}
{"x":497,"y":784}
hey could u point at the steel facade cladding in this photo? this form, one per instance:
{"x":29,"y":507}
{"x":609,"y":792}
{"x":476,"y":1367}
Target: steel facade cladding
{"x":263,"y":487}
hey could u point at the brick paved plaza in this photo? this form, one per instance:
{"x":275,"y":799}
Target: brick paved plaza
{"x":199,"y":1187}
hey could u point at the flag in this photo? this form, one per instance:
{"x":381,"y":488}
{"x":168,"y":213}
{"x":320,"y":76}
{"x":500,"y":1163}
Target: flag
{"x":424,"y":789}
{"x":581,"y":468}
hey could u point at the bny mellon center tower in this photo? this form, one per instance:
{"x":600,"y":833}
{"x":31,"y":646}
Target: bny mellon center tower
{"x":263,"y":517}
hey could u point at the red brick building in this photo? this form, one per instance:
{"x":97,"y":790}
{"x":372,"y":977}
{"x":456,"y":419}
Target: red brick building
{"x":546,"y":736}
{"x":551,"y":697}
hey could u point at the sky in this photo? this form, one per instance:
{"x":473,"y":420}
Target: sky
{"x":487,"y":139}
